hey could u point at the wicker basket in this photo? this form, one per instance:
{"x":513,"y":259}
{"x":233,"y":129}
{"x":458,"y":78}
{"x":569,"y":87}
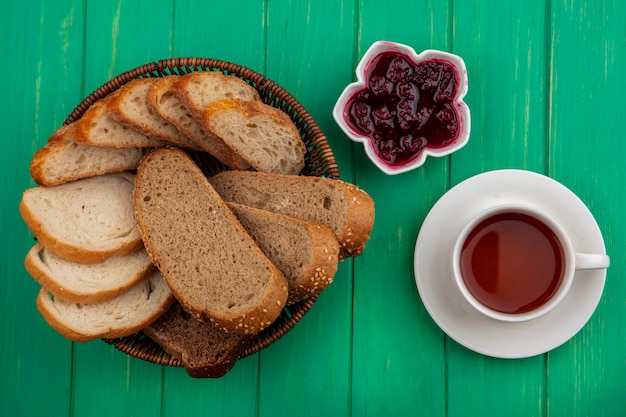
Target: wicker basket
{"x":319,"y":161}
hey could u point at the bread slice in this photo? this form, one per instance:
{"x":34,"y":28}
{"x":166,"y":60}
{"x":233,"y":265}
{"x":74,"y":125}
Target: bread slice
{"x":213,"y":266}
{"x":97,"y":128}
{"x":131,"y":107}
{"x":345,"y":208}
{"x":261,"y":134}
{"x":85,"y":221}
{"x":306,"y":252}
{"x":62,"y":159}
{"x":124,"y":315}
{"x":197,"y":90}
{"x":86,"y":283}
{"x":205,"y":350}
{"x":162,"y":98}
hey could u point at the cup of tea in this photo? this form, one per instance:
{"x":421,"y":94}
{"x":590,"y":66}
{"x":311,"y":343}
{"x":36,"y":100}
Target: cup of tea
{"x":515,"y":263}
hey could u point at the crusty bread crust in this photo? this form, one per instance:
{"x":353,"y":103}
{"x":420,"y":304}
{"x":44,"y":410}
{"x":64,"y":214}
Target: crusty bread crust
{"x":39,"y":271}
{"x":162,"y":176}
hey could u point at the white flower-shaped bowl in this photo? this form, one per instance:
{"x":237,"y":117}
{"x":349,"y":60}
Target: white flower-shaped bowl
{"x":341,"y":111}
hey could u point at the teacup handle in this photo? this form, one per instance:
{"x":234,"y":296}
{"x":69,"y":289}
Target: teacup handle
{"x":592,"y":261}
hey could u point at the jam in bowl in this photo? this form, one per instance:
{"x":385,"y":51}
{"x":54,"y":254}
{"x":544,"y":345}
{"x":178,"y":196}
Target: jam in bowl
{"x":405,"y":107}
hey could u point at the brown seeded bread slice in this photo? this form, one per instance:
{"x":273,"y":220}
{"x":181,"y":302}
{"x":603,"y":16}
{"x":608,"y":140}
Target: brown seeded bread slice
{"x":213,"y":266}
{"x":86,"y":283}
{"x":62,"y":159}
{"x":261,"y":134}
{"x":97,"y":128}
{"x":85,"y":221}
{"x":162,"y":98}
{"x":124,"y":315}
{"x":345,"y":208}
{"x":205,"y":350}
{"x":131,"y":107}
{"x":197,"y":90}
{"x":306,"y":252}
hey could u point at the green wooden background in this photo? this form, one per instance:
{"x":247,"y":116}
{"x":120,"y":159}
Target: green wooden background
{"x":547,"y":83}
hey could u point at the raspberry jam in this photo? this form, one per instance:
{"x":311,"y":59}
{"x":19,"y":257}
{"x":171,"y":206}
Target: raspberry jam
{"x":406,"y":107}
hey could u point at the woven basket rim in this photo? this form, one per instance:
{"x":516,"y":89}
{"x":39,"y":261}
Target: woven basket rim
{"x":139,"y":345}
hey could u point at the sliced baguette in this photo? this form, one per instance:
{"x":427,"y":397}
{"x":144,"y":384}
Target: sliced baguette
{"x":97,"y":128}
{"x":306,"y":252}
{"x":124,"y":315}
{"x":345,"y":208}
{"x":85,"y":221}
{"x":214,"y":268}
{"x":197,"y":90}
{"x":261,"y":134}
{"x":131,"y":107}
{"x":62,"y":159}
{"x":86,"y":283}
{"x":205,"y":350}
{"x":162,"y":98}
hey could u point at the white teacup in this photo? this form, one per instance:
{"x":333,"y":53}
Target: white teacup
{"x":515,"y":263}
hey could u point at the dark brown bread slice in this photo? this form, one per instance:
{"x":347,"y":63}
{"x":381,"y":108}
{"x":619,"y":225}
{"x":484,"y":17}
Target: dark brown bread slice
{"x":345,"y":208}
{"x":306,"y":252}
{"x":205,"y":350}
{"x":213,"y":266}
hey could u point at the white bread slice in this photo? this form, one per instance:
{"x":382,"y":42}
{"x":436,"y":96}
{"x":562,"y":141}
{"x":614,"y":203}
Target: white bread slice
{"x":131,"y":107}
{"x":124,"y":315}
{"x":345,"y":208}
{"x":306,"y":252}
{"x":86,"y":283}
{"x":85,"y":221}
{"x":261,"y":134}
{"x":97,"y":128}
{"x":62,"y":159}
{"x":213,"y":267}
{"x":197,"y":90}
{"x":162,"y":98}
{"x":205,"y":350}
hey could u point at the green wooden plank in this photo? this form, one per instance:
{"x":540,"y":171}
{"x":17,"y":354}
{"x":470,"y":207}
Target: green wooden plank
{"x":122,"y":34}
{"x":399,"y":353}
{"x":43,"y":45}
{"x":312,"y":362}
{"x":504,"y":48}
{"x":232,"y":31}
{"x":586,"y":376}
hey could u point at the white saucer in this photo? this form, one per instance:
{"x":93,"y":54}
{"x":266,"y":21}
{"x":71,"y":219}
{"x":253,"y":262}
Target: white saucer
{"x":446,"y":305}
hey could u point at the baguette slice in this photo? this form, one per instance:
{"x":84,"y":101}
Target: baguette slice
{"x":306,"y":252}
{"x":97,"y":128}
{"x":131,"y":107}
{"x":197,"y":90}
{"x":214,"y":268}
{"x":62,"y":159}
{"x":86,"y":283}
{"x":85,"y":221}
{"x":124,"y":315}
{"x":205,"y":350}
{"x":162,"y":98}
{"x":345,"y":208}
{"x":261,"y":134}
